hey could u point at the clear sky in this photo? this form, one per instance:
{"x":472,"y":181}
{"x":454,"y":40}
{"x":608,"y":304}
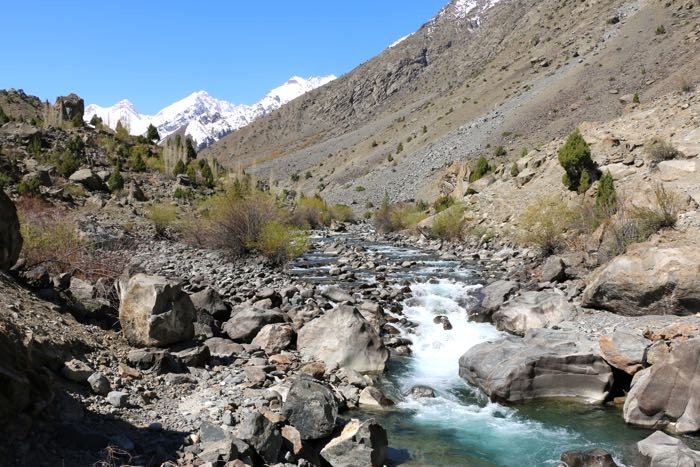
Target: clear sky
{"x":156,"y":52}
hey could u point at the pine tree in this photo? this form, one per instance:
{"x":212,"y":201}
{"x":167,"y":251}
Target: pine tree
{"x":152,"y":134}
{"x":575,"y":158}
{"x":606,"y":199}
{"x":121,"y":132}
{"x":115,"y":180}
{"x":191,"y":152}
{"x":207,"y":174}
{"x":179,"y":168}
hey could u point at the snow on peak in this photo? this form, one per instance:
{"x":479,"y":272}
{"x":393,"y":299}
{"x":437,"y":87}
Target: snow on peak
{"x":399,"y":40}
{"x":469,"y":10}
{"x":205,"y":118}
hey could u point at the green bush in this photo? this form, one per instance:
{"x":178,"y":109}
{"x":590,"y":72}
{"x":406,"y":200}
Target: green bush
{"x":5,"y":180}
{"x":295,"y":177}
{"x":115,"y":181}
{"x":399,"y":148}
{"x":443,"y":202}
{"x":29,"y":187}
{"x":575,"y":159}
{"x":606,"y":198}
{"x":401,"y":216}
{"x":545,"y":222}
{"x":660,"y":29}
{"x":514,"y":171}
{"x":162,"y":216}
{"x":66,"y":163}
{"x":635,"y":98}
{"x":184,"y":194}
{"x":500,"y":151}
{"x":179,"y":168}
{"x":280,"y":242}
{"x":152,"y":134}
{"x":207,"y":174}
{"x":449,"y":224}
{"x":342,"y":213}
{"x":359,"y":188}
{"x":482,"y":168}
{"x":585,"y":182}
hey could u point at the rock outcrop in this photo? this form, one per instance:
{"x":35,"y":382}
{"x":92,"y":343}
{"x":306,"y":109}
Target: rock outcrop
{"x":648,"y":280}
{"x":661,"y":450}
{"x":67,"y":110}
{"x":545,"y":363}
{"x":87,"y":178}
{"x":360,"y":443}
{"x":667,"y":395}
{"x":155,"y":311}
{"x":624,"y":350}
{"x":532,"y":310}
{"x":343,"y":337}
{"x":10,"y":237}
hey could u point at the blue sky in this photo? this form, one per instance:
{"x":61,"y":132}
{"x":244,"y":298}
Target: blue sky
{"x":156,"y":52}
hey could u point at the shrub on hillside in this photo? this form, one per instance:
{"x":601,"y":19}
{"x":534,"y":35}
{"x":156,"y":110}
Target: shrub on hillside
{"x":30,"y":187}
{"x":162,"y":216}
{"x":514,"y":171}
{"x":281,"y":242}
{"x":449,"y":224}
{"x":116,"y":181}
{"x":545,"y":222}
{"x":606,"y":198}
{"x":179,"y":168}
{"x":575,"y":159}
{"x":66,"y":163}
{"x":443,"y":202}
{"x":662,"y":150}
{"x":481,"y":168}
{"x":401,"y":216}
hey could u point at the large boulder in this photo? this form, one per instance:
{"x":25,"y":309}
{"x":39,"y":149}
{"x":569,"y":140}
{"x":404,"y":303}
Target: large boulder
{"x":494,"y":296}
{"x":155,"y":312}
{"x":262,"y":435}
{"x":624,"y":350}
{"x":662,"y":450}
{"x":532,"y":310}
{"x":311,"y":408}
{"x":544,"y":363}
{"x":87,"y":178}
{"x":210,"y":302}
{"x":246,"y":322}
{"x":360,"y":444}
{"x":343,"y":337}
{"x":10,"y":237}
{"x":274,"y":338}
{"x":596,"y":457}
{"x":648,"y":280}
{"x":667,"y":395}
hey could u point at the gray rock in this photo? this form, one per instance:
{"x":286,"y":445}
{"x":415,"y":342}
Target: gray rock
{"x":545,"y":363}
{"x":10,"y":237}
{"x":494,"y":296}
{"x":593,"y":458}
{"x":99,"y":383}
{"x":668,"y":393}
{"x":532,"y":310}
{"x":374,"y":397}
{"x":89,"y":179}
{"x":209,"y":301}
{"x":262,"y":435}
{"x":311,"y":408}
{"x":223,"y":348}
{"x":624,"y":350}
{"x":553,"y":270}
{"x":76,"y":371}
{"x":662,"y":450}
{"x":359,"y":444}
{"x":194,"y":356}
{"x":118,"y":398}
{"x":246,"y":322}
{"x":273,"y":338}
{"x":155,"y":311}
{"x":155,"y":361}
{"x":421,"y":392}
{"x":336,"y":294}
{"x":343,"y":337}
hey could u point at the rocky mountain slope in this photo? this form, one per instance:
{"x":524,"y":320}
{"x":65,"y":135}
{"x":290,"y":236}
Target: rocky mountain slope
{"x":204,"y":118}
{"x":478,"y":75}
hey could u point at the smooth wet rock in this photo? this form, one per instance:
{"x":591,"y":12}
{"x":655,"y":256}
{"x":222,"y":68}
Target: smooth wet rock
{"x":532,"y":310}
{"x":667,"y":394}
{"x":311,"y":408}
{"x":545,"y":363}
{"x":154,"y":311}
{"x":593,"y":458}
{"x":359,"y":444}
{"x":246,"y":322}
{"x":662,"y":450}
{"x":624,"y":350}
{"x":343,"y":337}
{"x":10,"y":237}
{"x":374,"y":397}
{"x":648,"y":279}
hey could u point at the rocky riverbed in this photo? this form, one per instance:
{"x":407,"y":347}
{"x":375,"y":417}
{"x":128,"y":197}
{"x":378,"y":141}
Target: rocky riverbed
{"x":337,"y":358}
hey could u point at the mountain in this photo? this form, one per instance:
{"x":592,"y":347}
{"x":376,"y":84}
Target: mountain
{"x":480,"y":74}
{"x":203,"y":117}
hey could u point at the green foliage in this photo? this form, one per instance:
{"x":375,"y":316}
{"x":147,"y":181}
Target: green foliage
{"x":443,"y":202}
{"x":29,"y":187}
{"x":575,"y":158}
{"x":116,"y":181}
{"x":585,"y":182}
{"x":162,"y":216}
{"x":280,"y":242}
{"x":374,"y":144}
{"x":184,"y":194}
{"x":359,"y":188}
{"x":295,"y":177}
{"x":514,"y":171}
{"x":635,"y":98}
{"x":35,"y":146}
{"x":138,"y":154}
{"x":390,"y":158}
{"x":121,"y":133}
{"x":482,"y":168}
{"x":76,"y":145}
{"x":66,"y":163}
{"x":524,"y":152}
{"x":5,"y":180}
{"x":660,"y":29}
{"x":449,"y":224}
{"x":606,"y":198}
{"x":207,"y":174}
{"x":191,"y":151}
{"x":401,"y":216}
{"x":96,"y":121}
{"x":500,"y":151}
{"x":399,"y":148}
{"x":179,"y":168}
{"x":425,"y":129}
{"x":152,"y":134}
{"x":544,"y":223}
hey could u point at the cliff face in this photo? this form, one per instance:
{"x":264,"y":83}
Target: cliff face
{"x":515,"y":74}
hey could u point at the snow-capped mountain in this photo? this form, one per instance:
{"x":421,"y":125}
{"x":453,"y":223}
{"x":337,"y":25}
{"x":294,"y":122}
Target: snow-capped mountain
{"x":205,"y":118}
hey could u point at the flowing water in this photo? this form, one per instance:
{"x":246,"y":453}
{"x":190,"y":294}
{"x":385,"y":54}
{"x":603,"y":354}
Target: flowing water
{"x":460,"y":426}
